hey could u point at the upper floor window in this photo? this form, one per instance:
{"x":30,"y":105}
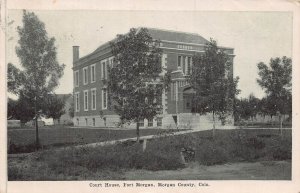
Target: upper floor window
{"x":111,"y":62}
{"x":104,"y":65}
{"x":189,"y":66}
{"x":179,"y":61}
{"x":77,"y":102}
{"x":86,"y":100}
{"x":85,"y":75}
{"x":185,"y":64}
{"x":76,"y":78}
{"x":93,"y":73}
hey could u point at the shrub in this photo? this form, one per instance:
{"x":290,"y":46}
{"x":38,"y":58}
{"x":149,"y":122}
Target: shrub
{"x":211,"y":154}
{"x":281,"y":153}
{"x":13,"y":148}
{"x":14,"y":173}
{"x":282,"y":150}
{"x":115,"y":157}
{"x":255,"y":142}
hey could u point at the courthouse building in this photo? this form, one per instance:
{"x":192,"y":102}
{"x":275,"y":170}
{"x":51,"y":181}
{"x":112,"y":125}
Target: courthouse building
{"x":91,"y":99}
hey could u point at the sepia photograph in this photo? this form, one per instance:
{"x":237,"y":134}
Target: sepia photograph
{"x":149,"y":98}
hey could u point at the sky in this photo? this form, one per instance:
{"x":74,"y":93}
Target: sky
{"x":255,"y":36}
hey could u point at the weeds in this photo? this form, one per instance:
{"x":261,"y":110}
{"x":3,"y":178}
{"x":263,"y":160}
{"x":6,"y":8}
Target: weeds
{"x":162,"y":153}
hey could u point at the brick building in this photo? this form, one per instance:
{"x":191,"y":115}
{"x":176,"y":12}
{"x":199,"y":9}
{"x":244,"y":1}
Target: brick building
{"x":91,"y":97}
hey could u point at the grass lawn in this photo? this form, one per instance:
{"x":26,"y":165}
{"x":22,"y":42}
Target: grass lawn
{"x":265,"y":170}
{"x":263,"y":125}
{"x":24,"y":139}
{"x":231,"y":155}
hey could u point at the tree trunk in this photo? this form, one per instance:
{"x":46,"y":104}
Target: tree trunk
{"x":272,"y":123}
{"x":37,"y":143}
{"x":144,"y":144}
{"x":281,"y":120}
{"x":137,"y":132}
{"x":22,"y":123}
{"x":214,"y":126}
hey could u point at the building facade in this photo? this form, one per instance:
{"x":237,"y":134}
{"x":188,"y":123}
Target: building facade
{"x":91,"y":99}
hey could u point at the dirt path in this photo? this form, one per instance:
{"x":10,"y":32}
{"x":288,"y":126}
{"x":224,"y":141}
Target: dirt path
{"x":268,"y":170}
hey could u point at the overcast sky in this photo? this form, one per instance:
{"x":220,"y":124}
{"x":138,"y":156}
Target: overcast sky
{"x":255,"y":36}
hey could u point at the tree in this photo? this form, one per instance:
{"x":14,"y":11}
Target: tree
{"x":247,"y":108}
{"x":54,"y":107}
{"x":215,"y":89}
{"x":37,"y":54}
{"x":24,"y":108}
{"x":134,"y":83}
{"x":72,"y":108}
{"x":253,"y":106}
{"x":11,"y":108}
{"x":15,"y":79}
{"x":276,"y":79}
{"x":266,"y":107}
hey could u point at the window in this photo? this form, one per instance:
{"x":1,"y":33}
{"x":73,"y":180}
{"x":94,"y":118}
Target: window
{"x":86,"y":100}
{"x":85,"y":75}
{"x":76,"y":77}
{"x":141,"y":123}
{"x":93,"y":73}
{"x":179,"y":61}
{"x":77,"y":104}
{"x":188,"y":105}
{"x":104,"y":99}
{"x":94,"y":122}
{"x":150,"y":122}
{"x":184,"y":64}
{"x":93,"y":93}
{"x":159,"y":121}
{"x":104,"y":69}
{"x":159,"y":99}
{"x":111,"y":62}
{"x":189,"y":66}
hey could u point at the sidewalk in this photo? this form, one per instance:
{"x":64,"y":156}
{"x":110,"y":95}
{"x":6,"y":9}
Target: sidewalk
{"x":104,"y":143}
{"x":134,"y":139}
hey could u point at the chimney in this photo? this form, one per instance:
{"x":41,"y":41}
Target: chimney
{"x":75,"y":53}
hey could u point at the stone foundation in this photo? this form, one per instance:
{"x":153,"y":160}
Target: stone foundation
{"x":185,"y":121}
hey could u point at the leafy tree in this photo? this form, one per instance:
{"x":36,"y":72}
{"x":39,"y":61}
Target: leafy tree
{"x":15,"y":79}
{"x":134,"y":81}
{"x":54,"y":106}
{"x":24,"y":109}
{"x":215,"y":90}
{"x":72,"y":108}
{"x":242,"y":109}
{"x":247,"y":108}
{"x":266,"y":107}
{"x":276,"y":79}
{"x":253,"y":106}
{"x":37,"y":54}
{"x":11,"y":108}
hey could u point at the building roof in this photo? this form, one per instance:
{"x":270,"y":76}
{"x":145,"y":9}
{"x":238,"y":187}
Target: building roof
{"x":176,"y":36}
{"x":162,"y":34}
